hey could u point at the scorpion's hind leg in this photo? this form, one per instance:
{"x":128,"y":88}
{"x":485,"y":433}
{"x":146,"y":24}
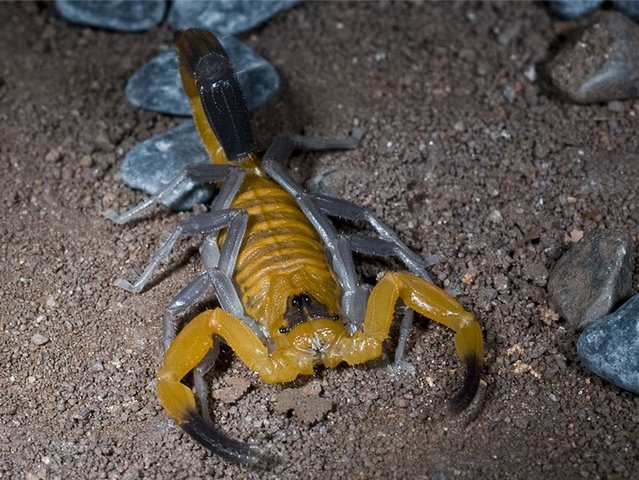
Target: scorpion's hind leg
{"x":435,"y":304}
{"x":191,"y":177}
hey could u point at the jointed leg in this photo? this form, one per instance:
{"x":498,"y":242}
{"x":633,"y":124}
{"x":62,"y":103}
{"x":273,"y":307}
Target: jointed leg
{"x":389,"y":244}
{"x":194,"y":174}
{"x":205,"y":224}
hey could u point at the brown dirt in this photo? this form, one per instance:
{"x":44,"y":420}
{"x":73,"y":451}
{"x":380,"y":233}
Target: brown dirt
{"x":510,"y":173}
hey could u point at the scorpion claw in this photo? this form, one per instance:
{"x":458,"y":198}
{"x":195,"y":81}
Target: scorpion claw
{"x":218,"y":443}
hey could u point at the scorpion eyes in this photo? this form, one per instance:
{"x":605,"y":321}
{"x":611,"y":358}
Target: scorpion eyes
{"x":306,"y":300}
{"x":285,"y":329}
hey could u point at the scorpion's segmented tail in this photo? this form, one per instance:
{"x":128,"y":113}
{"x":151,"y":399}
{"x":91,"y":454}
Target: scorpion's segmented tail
{"x":465,"y":396}
{"x":178,"y":400}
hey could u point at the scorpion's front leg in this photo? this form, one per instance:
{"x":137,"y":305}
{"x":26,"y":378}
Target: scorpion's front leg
{"x":432,"y":302}
{"x":187,"y":351}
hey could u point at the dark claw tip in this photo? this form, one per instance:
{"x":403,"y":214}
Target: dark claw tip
{"x":217,"y":442}
{"x":465,"y":396}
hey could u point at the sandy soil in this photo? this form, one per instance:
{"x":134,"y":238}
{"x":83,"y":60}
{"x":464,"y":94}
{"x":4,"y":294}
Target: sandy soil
{"x":466,"y":157}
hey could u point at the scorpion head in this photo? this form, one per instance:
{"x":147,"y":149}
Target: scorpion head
{"x":303,"y":307}
{"x":309,"y":327}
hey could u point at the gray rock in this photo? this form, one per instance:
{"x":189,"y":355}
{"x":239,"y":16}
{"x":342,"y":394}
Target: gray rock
{"x":609,"y":347}
{"x":602,"y":64}
{"x":122,"y":15}
{"x":572,"y":9}
{"x":628,"y":7}
{"x":157,"y":86}
{"x":152,"y":164}
{"x":224,"y":16}
{"x":591,"y":277}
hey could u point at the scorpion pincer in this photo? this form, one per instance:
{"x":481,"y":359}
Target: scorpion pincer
{"x":288,"y":293}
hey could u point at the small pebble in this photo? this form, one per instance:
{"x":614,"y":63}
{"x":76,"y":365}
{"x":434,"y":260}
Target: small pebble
{"x":152,"y":164}
{"x":591,"y":277}
{"x":39,"y":339}
{"x":602,"y":64}
{"x":609,"y":347}
{"x":225,"y":16}
{"x":156,"y":86}
{"x":121,"y":15}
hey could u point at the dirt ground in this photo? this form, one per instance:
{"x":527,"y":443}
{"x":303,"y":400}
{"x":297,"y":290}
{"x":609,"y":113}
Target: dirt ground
{"x":464,"y":155}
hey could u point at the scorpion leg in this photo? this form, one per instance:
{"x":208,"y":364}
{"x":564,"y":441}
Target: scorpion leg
{"x":389,"y":244}
{"x":206,"y":224}
{"x":354,"y":296}
{"x":194,"y":174}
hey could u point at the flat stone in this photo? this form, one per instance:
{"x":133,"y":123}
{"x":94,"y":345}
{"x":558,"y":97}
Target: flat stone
{"x":602,"y":64}
{"x":573,"y":9}
{"x":224,"y":16}
{"x":121,"y":15}
{"x":152,"y":164}
{"x":156,"y":86}
{"x":609,"y":347}
{"x":591,"y":277}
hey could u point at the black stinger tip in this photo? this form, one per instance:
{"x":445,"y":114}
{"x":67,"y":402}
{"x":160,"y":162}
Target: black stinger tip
{"x":465,"y":396}
{"x":217,"y":442}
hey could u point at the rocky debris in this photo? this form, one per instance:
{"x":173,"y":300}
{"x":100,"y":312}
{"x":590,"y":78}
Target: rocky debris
{"x":39,"y":339}
{"x":602,"y":64}
{"x":591,"y":277}
{"x":305,"y":403}
{"x":152,"y":164}
{"x":235,"y":389}
{"x":609,"y":347}
{"x":157,"y":86}
{"x":224,"y":17}
{"x":122,"y":15}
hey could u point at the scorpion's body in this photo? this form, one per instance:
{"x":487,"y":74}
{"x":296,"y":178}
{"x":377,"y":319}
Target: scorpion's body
{"x":282,"y":256}
{"x":284,"y":277}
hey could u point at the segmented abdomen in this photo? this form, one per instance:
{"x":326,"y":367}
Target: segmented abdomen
{"x":281,"y":255}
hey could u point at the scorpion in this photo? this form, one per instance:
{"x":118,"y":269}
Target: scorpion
{"x":288,"y":293}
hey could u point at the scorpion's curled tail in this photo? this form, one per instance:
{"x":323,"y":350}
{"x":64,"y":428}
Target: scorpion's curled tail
{"x":465,"y":396}
{"x":178,"y":400}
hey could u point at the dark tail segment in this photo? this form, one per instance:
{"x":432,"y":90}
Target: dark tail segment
{"x":471,"y":383}
{"x":218,"y":443}
{"x":204,"y":58}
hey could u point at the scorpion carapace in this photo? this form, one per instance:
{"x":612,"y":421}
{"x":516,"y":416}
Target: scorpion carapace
{"x":289,"y":296}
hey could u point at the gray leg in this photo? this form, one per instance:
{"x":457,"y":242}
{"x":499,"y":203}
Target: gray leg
{"x":201,"y":389}
{"x":205,"y":224}
{"x":389,"y":243}
{"x":404,"y":330}
{"x":194,"y":174}
{"x":185,"y":299}
{"x":232,"y":178}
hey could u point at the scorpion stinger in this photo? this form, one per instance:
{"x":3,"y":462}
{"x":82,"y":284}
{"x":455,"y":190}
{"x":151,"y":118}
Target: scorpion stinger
{"x":285,"y":280}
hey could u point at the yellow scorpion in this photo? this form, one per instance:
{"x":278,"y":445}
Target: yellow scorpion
{"x":289,"y":297}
